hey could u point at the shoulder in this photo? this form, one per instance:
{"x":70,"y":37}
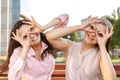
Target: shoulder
{"x":95,"y":52}
{"x":74,"y":44}
{"x":50,"y":58}
{"x":17,"y":51}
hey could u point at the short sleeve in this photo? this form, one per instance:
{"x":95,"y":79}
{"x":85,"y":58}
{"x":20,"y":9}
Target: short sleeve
{"x":63,"y":17}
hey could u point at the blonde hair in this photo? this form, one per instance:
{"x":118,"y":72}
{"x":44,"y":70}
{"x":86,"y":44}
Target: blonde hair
{"x":106,"y":22}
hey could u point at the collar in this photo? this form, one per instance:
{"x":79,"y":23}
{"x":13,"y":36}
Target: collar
{"x":31,"y":51}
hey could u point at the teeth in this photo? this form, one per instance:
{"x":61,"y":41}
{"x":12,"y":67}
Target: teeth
{"x":34,"y":37}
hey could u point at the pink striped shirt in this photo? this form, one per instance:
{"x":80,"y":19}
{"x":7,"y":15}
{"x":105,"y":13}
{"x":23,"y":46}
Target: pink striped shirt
{"x":30,"y":69}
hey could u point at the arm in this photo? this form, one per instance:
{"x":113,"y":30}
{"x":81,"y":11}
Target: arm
{"x":52,"y":23}
{"x":60,"y":21}
{"x":106,"y":66}
{"x":54,"y":36}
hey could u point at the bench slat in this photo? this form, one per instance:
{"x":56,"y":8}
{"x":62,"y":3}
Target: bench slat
{"x":58,"y":78}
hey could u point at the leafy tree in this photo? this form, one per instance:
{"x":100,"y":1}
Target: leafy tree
{"x":73,"y":37}
{"x":116,"y":35}
{"x":115,"y":20}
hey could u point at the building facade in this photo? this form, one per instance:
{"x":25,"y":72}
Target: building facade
{"x":9,"y":14}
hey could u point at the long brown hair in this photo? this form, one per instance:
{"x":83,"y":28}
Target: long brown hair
{"x":14,"y":44}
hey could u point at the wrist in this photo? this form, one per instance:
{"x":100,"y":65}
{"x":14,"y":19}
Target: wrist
{"x":78,"y":28}
{"x":25,"y":48}
{"x":43,"y":28}
{"x":81,"y":27}
{"x":24,"y":53}
{"x":53,"y":23}
{"x":102,"y":46}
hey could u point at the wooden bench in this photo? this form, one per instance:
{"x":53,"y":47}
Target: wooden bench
{"x":117,"y":69}
{"x":59,"y":73}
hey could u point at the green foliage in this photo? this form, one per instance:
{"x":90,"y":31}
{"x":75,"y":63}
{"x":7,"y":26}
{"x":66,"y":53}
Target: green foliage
{"x":73,"y":37}
{"x":116,"y":35}
{"x":115,"y":20}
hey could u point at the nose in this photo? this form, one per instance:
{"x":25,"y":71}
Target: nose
{"x":31,"y":35}
{"x":92,"y":34}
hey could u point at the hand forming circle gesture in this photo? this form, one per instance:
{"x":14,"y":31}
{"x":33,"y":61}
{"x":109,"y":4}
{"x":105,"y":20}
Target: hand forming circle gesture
{"x":23,"y":39}
{"x":103,"y":37}
{"x":88,"y":24}
{"x":38,"y":28}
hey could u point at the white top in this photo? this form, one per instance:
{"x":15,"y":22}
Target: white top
{"x":84,"y":66}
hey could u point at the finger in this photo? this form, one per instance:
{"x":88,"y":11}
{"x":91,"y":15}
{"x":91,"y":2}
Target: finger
{"x":95,"y":17}
{"x":24,"y":17}
{"x":107,"y":29}
{"x":92,"y":31}
{"x":97,"y":35}
{"x":89,"y":17}
{"x":90,"y":27}
{"x":110,"y":34}
{"x":33,"y":32}
{"x":101,"y":34}
{"x":27,"y":22}
{"x":13,"y":38}
{"x":13,"y":34}
{"x":96,"y":21}
{"x":29,"y":37}
{"x":33,"y":18}
{"x":17,"y":33}
{"x":111,"y":29}
{"x":34,"y":23}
